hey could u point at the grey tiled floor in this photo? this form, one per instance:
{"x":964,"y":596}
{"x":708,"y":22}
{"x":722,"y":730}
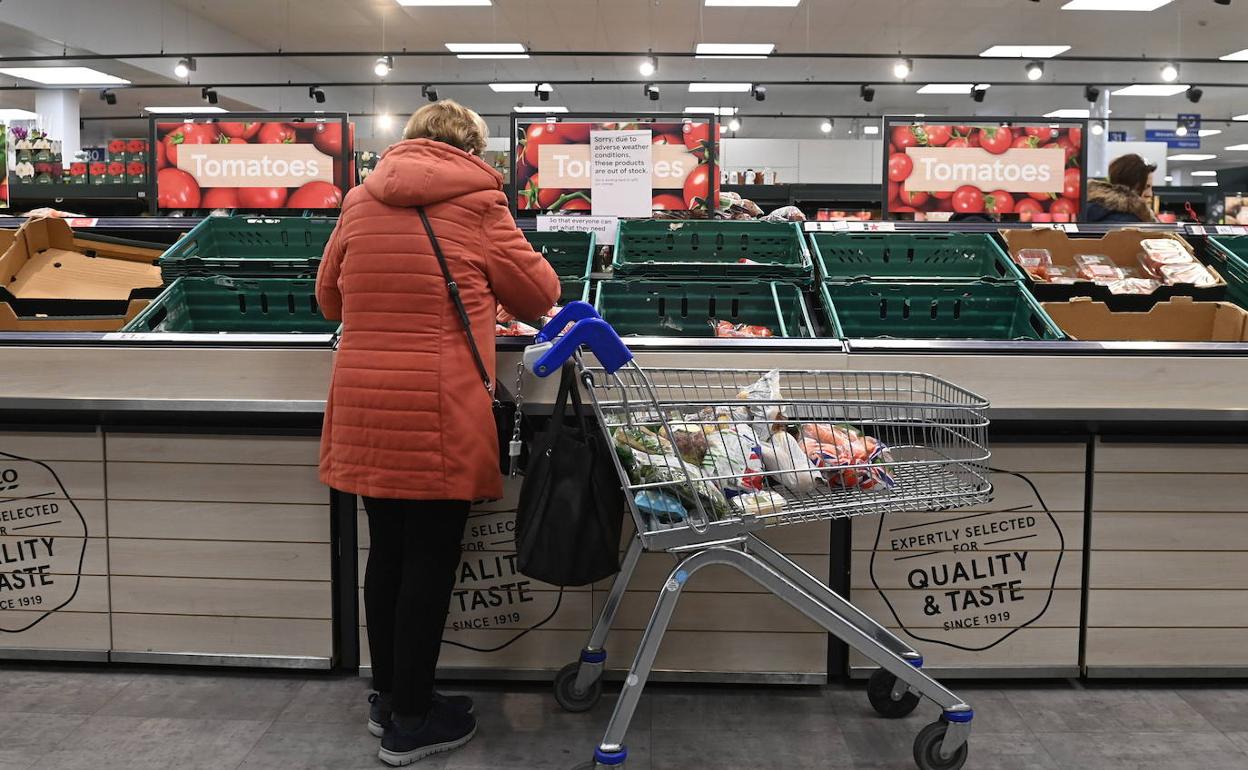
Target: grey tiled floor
{"x":110,"y":719}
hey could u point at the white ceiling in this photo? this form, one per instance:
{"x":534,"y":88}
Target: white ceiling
{"x":1183,"y":29}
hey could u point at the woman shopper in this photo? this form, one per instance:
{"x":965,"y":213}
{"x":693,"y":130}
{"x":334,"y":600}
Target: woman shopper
{"x":1127,"y":196}
{"x":408,"y":423}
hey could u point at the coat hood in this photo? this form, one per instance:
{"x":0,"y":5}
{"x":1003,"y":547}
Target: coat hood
{"x":1116,"y":199}
{"x":420,"y":172}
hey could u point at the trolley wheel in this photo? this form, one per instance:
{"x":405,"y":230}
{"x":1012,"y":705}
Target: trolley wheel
{"x":567,"y":696}
{"x":880,"y":693}
{"x":927,"y":749}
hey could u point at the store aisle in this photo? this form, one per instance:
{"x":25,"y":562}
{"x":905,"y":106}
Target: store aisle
{"x":101,"y":719}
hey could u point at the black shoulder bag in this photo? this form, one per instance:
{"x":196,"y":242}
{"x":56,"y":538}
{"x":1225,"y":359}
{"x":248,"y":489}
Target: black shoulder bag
{"x":504,"y":411}
{"x":571,"y":503}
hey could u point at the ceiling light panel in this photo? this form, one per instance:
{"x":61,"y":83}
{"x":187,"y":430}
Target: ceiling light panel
{"x":718,"y":88}
{"x":870,"y":129}
{"x":1240,"y":55}
{"x":538,"y":108}
{"x":734,"y":50}
{"x":1114,"y":5}
{"x":516,"y":88}
{"x":65,"y":76}
{"x":723,"y":112}
{"x":488,"y":50}
{"x":1068,"y":112}
{"x":8,"y":115}
{"x":1204,"y":173}
{"x":1146,"y":89}
{"x":951,"y":88}
{"x":1191,"y":156}
{"x":1024,"y":51}
{"x":752,"y":3}
{"x":1238,"y":147}
{"x":175,"y":110}
{"x":445,"y":2}
{"x":1210,"y":131}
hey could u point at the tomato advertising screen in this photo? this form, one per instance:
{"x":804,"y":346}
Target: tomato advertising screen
{"x":1029,"y":170}
{"x":252,"y":162}
{"x":558,"y":165}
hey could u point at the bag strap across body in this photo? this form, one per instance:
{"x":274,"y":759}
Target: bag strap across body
{"x":452,"y":288}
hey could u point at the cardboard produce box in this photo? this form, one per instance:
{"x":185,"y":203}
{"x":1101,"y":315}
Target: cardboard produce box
{"x":1178,"y":320}
{"x":45,"y":269}
{"x":10,"y":321}
{"x":1121,"y":246}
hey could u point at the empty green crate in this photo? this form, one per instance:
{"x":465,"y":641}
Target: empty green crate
{"x":259,"y":305}
{"x":570,"y":254}
{"x":912,"y":257}
{"x":967,"y":310}
{"x":711,"y":250}
{"x":1229,"y":256}
{"x":249,"y":247}
{"x":674,"y":309}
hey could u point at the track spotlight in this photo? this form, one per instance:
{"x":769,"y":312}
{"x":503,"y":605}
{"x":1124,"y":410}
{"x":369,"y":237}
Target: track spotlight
{"x":1180,"y":129}
{"x":542,"y":91}
{"x":316,"y":94}
{"x":758,"y":92}
{"x":108,"y":97}
{"x":826,"y":126}
{"x":429,"y":92}
{"x":867,"y":93}
{"x":1169,"y":72}
{"x":651,"y":91}
{"x":1097,"y":129}
{"x":978,"y":94}
{"x":734,"y":125}
{"x":208,"y":95}
{"x":383,"y":65}
{"x":1091,"y":93}
{"x":649,"y":66}
{"x":902,"y":68}
{"x":1035,"y":70}
{"x":184,"y":67}
{"x":1193,"y":94}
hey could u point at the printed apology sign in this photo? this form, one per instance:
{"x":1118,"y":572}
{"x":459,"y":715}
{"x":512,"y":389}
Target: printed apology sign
{"x":942,"y":573}
{"x":39,"y":570}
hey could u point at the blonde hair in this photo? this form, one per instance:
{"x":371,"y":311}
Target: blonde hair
{"x":450,"y":122}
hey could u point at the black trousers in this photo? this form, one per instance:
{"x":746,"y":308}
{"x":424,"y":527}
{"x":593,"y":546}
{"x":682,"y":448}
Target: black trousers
{"x":414,"y":550}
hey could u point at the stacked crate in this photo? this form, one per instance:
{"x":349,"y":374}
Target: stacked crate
{"x":571,"y":254}
{"x":676,"y":278}
{"x":925,"y":286}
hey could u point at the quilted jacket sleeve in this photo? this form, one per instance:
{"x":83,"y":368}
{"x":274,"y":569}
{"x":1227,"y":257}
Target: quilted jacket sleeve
{"x":520,"y":278}
{"x":327,"y":294}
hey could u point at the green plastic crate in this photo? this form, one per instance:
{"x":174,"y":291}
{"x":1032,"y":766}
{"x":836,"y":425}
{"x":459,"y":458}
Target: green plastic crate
{"x":967,"y":310}
{"x":1229,"y":256}
{"x":259,"y":305}
{"x":570,"y":254}
{"x":912,"y":257}
{"x":674,"y":309}
{"x":249,"y":247}
{"x":711,"y":250}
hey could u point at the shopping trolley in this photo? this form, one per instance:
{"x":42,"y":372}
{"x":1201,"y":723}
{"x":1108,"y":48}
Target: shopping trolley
{"x":884,"y":442}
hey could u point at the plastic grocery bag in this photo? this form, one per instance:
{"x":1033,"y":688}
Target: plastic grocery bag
{"x":735,"y":460}
{"x":764,"y":416}
{"x":782,"y":452}
{"x":850,"y":458}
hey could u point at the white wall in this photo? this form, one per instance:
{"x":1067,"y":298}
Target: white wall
{"x":1153,"y":152}
{"x":826,"y":161}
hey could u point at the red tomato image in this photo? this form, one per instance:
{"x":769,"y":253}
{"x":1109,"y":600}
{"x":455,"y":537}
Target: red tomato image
{"x":1041,"y":196}
{"x":1070,"y":188}
{"x":236,"y":130}
{"x":164,"y":128}
{"x":116,"y":168}
{"x":999,"y":202}
{"x":1027,"y":208}
{"x":77,"y":169}
{"x":900,"y":167}
{"x":98,"y":169}
{"x":573,"y":133}
{"x":1064,"y":207}
{"x":533,"y":196}
{"x":968,"y":199}
{"x":1026,"y":143}
{"x":995,"y":140}
{"x":903,"y":210}
{"x":963,"y":131}
{"x":231,"y":140}
{"x":162,"y":159}
{"x":663,"y":137}
{"x":893,"y":189}
{"x":938,"y":136}
{"x":1042,"y":133}
{"x":136,"y":145}
{"x":576,"y":204}
{"x":941,"y":201}
{"x":220,"y":198}
{"x":1076,"y":136}
{"x":959,"y":141}
{"x":315,"y":195}
{"x":914,"y":199}
{"x":905,"y":136}
{"x":275,"y":133}
{"x":176,"y":189}
{"x":262,"y":197}
{"x":668,"y":202}
{"x":1065,"y":144}
{"x":1041,"y":216}
{"x":328,"y":138}
{"x":697,"y":138}
{"x":188,"y":133}
{"x":136,"y":168}
{"x":117,"y":145}
{"x":943,"y":195}
{"x":696,"y":185}
{"x":535,"y":136}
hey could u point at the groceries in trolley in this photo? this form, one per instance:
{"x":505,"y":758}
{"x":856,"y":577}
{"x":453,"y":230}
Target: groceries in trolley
{"x":1162,"y":262}
{"x":744,"y":460}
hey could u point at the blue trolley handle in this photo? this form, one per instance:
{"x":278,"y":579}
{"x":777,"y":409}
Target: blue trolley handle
{"x":551,"y":350}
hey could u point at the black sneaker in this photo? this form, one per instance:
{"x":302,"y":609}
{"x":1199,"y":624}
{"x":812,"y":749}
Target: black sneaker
{"x":443,"y":729}
{"x":379,"y":709}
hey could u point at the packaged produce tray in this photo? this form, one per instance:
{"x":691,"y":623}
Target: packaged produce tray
{"x":249,"y":247}
{"x":257,"y":305}
{"x":711,"y":250}
{"x":687,"y":309}
{"x":1120,"y":246}
{"x":1229,"y":256}
{"x":912,"y":257}
{"x":980,"y":310}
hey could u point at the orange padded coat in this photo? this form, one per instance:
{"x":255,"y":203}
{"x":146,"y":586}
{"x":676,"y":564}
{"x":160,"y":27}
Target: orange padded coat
{"x":408,"y":416}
